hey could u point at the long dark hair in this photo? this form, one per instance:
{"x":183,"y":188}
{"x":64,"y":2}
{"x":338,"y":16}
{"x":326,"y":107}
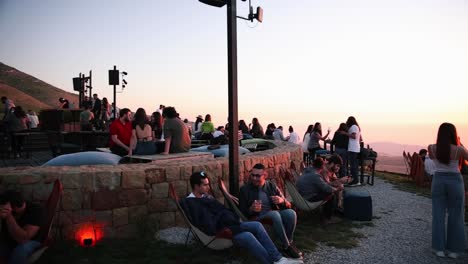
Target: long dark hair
{"x":243,"y":126}
{"x":446,"y":137}
{"x":309,"y":130}
{"x":317,"y":129}
{"x":140,"y":119}
{"x":352,"y":121}
{"x":343,"y":127}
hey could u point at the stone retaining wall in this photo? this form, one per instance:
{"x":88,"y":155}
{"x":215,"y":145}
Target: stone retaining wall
{"x":115,"y":199}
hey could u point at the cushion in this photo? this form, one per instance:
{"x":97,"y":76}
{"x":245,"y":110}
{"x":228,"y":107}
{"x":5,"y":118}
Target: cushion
{"x":222,"y":151}
{"x":84,"y":158}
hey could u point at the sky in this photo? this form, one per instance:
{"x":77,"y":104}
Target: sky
{"x":399,"y":66}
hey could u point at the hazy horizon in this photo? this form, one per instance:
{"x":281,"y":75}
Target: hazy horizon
{"x":398,"y":66}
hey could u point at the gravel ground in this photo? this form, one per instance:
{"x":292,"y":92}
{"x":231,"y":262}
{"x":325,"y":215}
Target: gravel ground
{"x":401,"y":232}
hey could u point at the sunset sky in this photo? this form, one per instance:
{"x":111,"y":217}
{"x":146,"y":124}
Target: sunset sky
{"x":399,"y":66}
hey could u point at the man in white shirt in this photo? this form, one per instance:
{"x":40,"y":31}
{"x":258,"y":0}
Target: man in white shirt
{"x":354,"y":147}
{"x":293,"y":136}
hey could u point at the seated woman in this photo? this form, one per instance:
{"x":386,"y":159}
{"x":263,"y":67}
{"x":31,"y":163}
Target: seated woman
{"x":207,"y":128}
{"x":142,"y":141}
{"x":315,"y":137}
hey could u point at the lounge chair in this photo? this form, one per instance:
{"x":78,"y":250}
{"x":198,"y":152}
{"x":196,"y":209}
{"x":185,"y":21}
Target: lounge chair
{"x":220,"y":241}
{"x":44,"y":231}
{"x":298,"y":201}
{"x":231,"y":200}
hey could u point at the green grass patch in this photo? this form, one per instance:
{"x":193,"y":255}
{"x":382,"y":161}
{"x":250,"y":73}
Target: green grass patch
{"x":403,"y":183}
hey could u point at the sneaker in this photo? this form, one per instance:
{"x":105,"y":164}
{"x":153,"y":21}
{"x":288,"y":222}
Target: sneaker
{"x":354,"y":183}
{"x":452,"y":255}
{"x":440,"y":254}
{"x":293,"y":252}
{"x":284,"y":260}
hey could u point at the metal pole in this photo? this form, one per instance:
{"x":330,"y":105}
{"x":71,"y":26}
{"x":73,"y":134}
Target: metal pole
{"x":115,"y":98}
{"x":90,"y":85}
{"x":232,"y":98}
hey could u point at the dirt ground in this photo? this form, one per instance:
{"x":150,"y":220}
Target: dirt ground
{"x":391,"y":164}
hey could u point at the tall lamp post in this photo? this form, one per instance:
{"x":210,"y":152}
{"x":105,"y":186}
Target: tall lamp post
{"x":232,"y":90}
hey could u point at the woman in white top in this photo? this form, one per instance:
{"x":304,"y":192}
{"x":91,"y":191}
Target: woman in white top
{"x":447,"y":193}
{"x":305,"y":144}
{"x":354,"y":147}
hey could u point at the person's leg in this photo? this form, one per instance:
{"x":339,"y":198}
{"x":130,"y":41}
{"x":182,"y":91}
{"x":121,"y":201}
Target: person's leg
{"x":455,"y":222}
{"x":439,"y":206}
{"x":344,"y":157}
{"x":22,"y":252}
{"x":257,"y":241}
{"x":353,"y":162}
{"x":289,"y":218}
{"x":277,"y":226}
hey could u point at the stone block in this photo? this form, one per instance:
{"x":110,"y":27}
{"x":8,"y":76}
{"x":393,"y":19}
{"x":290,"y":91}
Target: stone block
{"x":166,"y":220}
{"x":181,"y":188}
{"x":133,"y":197}
{"x":160,"y":190}
{"x":247,"y":165}
{"x":80,"y":216}
{"x":64,"y":219}
{"x":71,"y":199}
{"x":158,"y":205}
{"x":120,"y":216}
{"x":103,"y":218}
{"x":185,"y":172}
{"x":179,"y":220}
{"x":137,"y":213}
{"x":29,"y":179}
{"x":105,"y":199}
{"x":71,"y":180}
{"x":133,"y":179}
{"x":172,"y":173}
{"x":109,"y":232}
{"x":108,"y":179}
{"x":41,"y":192}
{"x":155,"y":175}
{"x":126,"y":231}
{"x":87,"y":180}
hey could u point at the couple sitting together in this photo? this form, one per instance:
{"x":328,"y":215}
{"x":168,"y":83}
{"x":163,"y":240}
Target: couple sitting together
{"x":259,"y":199}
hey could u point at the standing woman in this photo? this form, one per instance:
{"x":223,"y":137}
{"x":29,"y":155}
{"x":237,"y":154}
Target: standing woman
{"x":447,"y":193}
{"x":305,"y":144}
{"x":354,"y":147}
{"x":315,"y":137}
{"x":142,"y":140}
{"x":340,"y":141}
{"x":105,"y":113}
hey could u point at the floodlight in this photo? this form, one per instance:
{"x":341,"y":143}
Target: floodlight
{"x":216,"y":3}
{"x":124,"y":73}
{"x":259,"y":15}
{"x":124,"y":81}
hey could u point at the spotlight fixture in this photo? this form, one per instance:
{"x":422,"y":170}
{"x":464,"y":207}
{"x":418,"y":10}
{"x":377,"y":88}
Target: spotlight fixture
{"x":87,"y":242}
{"x":124,"y":81}
{"x":124,"y":73}
{"x":217,"y":3}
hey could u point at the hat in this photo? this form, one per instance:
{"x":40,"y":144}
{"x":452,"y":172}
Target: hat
{"x":200,"y":116}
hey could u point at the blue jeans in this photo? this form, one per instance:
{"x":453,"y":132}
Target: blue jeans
{"x":448,"y":196}
{"x":21,"y":252}
{"x":256,"y":240}
{"x":284,"y":224}
{"x":353,"y":163}
{"x":344,"y":156}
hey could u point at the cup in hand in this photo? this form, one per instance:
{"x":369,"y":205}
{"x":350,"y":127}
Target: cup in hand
{"x":258,"y":205}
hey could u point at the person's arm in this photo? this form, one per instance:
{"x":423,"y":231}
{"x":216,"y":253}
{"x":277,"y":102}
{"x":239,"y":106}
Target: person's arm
{"x":133,"y":142}
{"x":119,"y":143}
{"x":167,"y":145}
{"x":464,"y":152}
{"x":245,"y":208}
{"x":279,"y":198}
{"x":326,"y":136}
{"x":19,"y":234}
{"x":430,"y":152}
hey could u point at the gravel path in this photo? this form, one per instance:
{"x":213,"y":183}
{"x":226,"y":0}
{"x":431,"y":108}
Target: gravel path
{"x":401,"y":234}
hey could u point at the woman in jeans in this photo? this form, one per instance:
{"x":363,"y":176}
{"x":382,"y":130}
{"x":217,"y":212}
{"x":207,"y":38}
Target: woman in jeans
{"x":354,"y":147}
{"x":447,"y":193}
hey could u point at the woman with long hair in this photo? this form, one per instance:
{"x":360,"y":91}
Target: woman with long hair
{"x":142,"y":141}
{"x":354,"y":148}
{"x":257,"y":130}
{"x":340,"y":141}
{"x":305,"y":144}
{"x":105,"y":113}
{"x":245,"y":129}
{"x":157,"y":125}
{"x":447,"y":193}
{"x":315,"y":137}
{"x":207,"y":128}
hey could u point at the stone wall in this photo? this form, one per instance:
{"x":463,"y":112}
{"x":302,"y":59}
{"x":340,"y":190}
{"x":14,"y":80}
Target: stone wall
{"x":115,"y":198}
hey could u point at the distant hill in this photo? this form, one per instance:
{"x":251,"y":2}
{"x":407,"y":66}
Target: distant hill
{"x":394,"y":149}
{"x":29,"y":92}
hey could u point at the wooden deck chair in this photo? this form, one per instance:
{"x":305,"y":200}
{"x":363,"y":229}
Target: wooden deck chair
{"x":220,"y":241}
{"x":406,"y":163}
{"x":299,"y":201}
{"x":50,"y":209}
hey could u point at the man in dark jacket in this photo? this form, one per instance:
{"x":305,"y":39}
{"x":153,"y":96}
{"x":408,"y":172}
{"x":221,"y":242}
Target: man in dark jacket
{"x":260,"y":199}
{"x":210,"y":216}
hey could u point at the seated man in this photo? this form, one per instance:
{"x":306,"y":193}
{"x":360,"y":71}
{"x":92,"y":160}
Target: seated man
{"x":260,"y":199}
{"x":331,"y":167}
{"x":314,"y":188}
{"x":176,"y":135}
{"x":19,"y":233}
{"x":210,"y":216}
{"x":121,"y":132}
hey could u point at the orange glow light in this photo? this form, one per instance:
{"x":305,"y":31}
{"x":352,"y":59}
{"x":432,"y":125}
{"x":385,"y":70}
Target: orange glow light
{"x":88,"y":232}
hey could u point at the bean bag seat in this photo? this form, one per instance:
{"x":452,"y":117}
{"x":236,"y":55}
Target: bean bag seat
{"x":84,"y":158}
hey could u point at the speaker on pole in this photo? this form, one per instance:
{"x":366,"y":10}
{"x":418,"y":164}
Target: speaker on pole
{"x":78,"y":84}
{"x":113,"y":77}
